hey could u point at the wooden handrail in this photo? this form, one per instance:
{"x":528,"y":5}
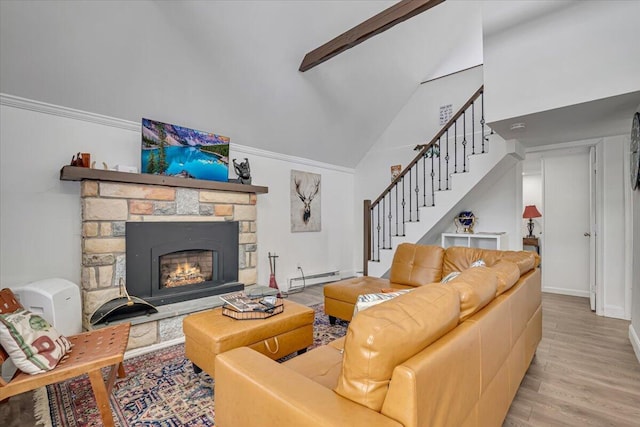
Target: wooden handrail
{"x":417,"y":184}
{"x":429,"y":145}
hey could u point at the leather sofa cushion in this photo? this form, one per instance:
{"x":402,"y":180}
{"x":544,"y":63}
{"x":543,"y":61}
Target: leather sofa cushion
{"x":458,"y":258}
{"x":508,"y":274}
{"x":476,"y":287}
{"x":380,"y":338}
{"x":348,"y":290}
{"x":416,"y":265}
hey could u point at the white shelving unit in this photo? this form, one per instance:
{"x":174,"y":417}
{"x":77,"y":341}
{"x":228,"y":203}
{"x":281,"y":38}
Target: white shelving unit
{"x":477,"y":240}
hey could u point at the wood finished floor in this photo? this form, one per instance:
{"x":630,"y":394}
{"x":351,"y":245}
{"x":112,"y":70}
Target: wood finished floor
{"x":584,"y":373}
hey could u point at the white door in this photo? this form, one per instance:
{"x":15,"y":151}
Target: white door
{"x":565,"y":256}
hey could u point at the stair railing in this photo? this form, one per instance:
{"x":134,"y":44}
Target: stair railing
{"x":427,"y":173}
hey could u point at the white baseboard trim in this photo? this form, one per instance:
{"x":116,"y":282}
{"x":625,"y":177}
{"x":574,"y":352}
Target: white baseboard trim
{"x":615,"y":312}
{"x":564,"y":291}
{"x":635,"y":341}
{"x":153,"y":347}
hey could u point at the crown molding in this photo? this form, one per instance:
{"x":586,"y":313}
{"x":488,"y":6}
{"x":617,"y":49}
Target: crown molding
{"x":71,"y":113}
{"x":237,"y":148}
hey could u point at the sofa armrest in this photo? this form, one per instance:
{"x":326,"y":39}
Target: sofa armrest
{"x":253,"y":390}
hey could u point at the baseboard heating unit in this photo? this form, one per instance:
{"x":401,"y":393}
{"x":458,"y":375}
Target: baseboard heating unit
{"x":297,"y":284}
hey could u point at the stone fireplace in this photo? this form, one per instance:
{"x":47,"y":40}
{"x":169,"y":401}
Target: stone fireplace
{"x":113,"y":203}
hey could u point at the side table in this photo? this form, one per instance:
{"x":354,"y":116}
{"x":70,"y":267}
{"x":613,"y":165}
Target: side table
{"x":531,"y":241}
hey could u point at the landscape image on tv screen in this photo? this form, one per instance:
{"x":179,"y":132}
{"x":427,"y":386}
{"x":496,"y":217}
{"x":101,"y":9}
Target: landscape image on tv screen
{"x":174,"y":150}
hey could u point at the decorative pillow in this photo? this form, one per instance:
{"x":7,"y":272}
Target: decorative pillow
{"x":369,"y":300}
{"x":478,"y":263}
{"x":450,"y":276}
{"x":32,"y":343}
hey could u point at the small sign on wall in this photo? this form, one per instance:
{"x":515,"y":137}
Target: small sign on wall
{"x":446,"y":112}
{"x":395,"y":171}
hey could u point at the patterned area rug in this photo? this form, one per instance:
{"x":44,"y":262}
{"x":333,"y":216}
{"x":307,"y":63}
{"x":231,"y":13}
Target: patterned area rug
{"x":160,"y":389}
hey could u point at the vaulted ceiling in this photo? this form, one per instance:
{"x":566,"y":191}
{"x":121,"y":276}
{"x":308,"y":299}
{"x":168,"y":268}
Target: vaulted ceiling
{"x":232,"y":67}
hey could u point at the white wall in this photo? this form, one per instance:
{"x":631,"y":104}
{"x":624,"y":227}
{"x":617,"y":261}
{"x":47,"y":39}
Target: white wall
{"x":612,"y":227}
{"x":634,"y":329}
{"x":634,"y":271}
{"x":40,"y":215}
{"x":581,"y":52}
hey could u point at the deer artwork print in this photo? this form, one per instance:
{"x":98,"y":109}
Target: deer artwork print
{"x":305,"y":201}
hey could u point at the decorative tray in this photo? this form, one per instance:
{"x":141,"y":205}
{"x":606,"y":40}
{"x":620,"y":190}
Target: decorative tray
{"x":230,"y":311}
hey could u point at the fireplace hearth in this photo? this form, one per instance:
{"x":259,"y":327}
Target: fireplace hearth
{"x":168,"y":262}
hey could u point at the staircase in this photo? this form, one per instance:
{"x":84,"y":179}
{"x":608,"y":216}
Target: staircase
{"x":423,"y":199}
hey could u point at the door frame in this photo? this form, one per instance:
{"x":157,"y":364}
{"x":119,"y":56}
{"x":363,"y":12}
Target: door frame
{"x":596,"y":207}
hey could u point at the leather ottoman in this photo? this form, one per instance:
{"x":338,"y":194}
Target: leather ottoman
{"x":340,"y":297}
{"x":210,"y":333}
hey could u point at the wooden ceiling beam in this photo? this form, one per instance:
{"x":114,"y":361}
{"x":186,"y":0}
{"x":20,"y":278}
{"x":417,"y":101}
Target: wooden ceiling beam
{"x":384,"y":20}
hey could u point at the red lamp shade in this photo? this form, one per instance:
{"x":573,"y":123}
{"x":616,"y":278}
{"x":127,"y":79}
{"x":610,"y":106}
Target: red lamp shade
{"x":531,"y":212}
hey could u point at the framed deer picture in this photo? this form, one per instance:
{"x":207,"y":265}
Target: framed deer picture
{"x":305,"y":201}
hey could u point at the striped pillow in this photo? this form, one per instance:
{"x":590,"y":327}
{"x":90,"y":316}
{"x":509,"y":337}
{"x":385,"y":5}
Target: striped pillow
{"x":365,"y":301}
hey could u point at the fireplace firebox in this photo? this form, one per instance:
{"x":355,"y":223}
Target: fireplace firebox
{"x":170,"y":262}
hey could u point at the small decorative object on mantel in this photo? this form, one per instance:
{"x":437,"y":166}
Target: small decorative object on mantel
{"x":464,"y":222}
{"x":82,"y":160}
{"x":243,"y":170}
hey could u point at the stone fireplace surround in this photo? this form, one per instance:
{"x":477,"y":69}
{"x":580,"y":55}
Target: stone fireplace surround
{"x":110,"y":199}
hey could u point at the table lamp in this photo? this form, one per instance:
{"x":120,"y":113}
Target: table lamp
{"x":531,"y":212}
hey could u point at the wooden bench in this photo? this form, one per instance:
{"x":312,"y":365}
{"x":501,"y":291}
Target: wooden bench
{"x":90,"y":352}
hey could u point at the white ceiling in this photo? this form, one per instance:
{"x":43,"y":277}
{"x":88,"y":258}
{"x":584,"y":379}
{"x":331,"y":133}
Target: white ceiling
{"x":231,"y":67}
{"x":590,"y":120}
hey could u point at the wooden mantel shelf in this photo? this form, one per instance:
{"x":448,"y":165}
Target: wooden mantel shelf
{"x":74,"y":173}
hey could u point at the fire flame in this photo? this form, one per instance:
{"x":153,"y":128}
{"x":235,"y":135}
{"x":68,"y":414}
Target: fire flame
{"x":184,"y":274}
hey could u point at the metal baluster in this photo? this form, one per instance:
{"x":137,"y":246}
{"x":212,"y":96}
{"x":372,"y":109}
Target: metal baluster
{"x":390,"y":245}
{"x":439,"y":166}
{"x":455,"y":147}
{"x":384,"y":233}
{"x":378,"y":229}
{"x":397,"y":228}
{"x":410,"y":212}
{"x":403,"y":205}
{"x":446,"y":159}
{"x":433,"y":185}
{"x":464,"y":141}
{"x":482,"y":119}
{"x":424,"y":180}
{"x":473,"y":127}
{"x":417,"y":190}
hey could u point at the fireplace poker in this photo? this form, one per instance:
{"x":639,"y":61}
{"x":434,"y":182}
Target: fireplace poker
{"x":272,"y":278}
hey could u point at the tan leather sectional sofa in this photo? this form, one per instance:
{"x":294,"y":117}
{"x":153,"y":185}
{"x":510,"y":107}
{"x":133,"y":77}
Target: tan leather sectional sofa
{"x":441,"y":355}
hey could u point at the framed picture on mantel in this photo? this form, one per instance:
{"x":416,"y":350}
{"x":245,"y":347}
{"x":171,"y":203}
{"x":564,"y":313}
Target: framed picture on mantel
{"x":174,"y":150}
